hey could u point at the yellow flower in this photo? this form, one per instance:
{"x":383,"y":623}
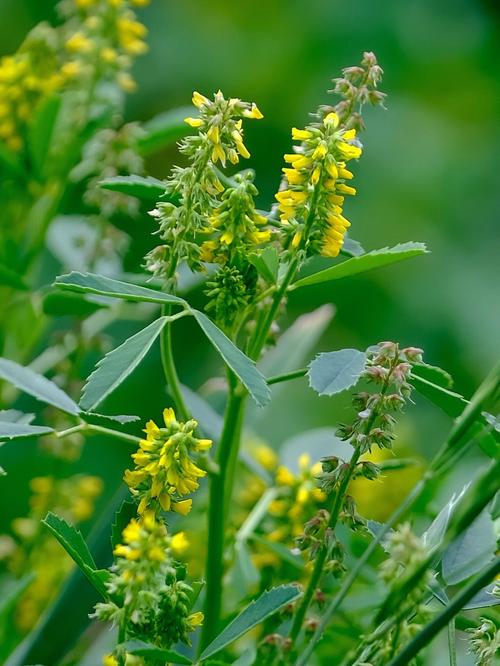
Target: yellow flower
{"x":194,"y":122}
{"x":195,"y":619}
{"x":253,"y":112}
{"x":284,"y":477}
{"x":331,"y":119}
{"x":79,"y":43}
{"x":179,"y":543}
{"x":183,"y":507}
{"x":109,"y":660}
{"x":199,"y":100}
{"x":301,"y":135}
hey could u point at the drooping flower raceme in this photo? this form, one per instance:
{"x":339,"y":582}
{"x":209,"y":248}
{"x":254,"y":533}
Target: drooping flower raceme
{"x":317,"y":178}
{"x":164,"y":471}
{"x":197,"y":187}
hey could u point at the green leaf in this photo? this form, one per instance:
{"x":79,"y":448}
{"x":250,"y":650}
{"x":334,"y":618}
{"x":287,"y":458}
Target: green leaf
{"x":364,"y":262}
{"x":12,"y":279}
{"x":266,"y":262}
{"x":470,"y":551}
{"x":334,"y":372}
{"x":352,"y":248}
{"x":164,"y":130}
{"x":9,"y":430}
{"x":432,"y":373}
{"x":37,"y":385}
{"x":41,"y":131}
{"x":210,"y":421}
{"x":149,"y":651}
{"x":15,"y":416}
{"x":117,"y":365}
{"x":62,"y":304}
{"x":12,"y":592}
{"x":91,"y":283}
{"x":10,"y":162}
{"x":124,"y":514}
{"x":74,"y":544}
{"x":117,"y":418}
{"x":266,"y":605}
{"x":484,"y":598}
{"x":240,"y":364}
{"x":450,"y":402}
{"x":145,"y":188}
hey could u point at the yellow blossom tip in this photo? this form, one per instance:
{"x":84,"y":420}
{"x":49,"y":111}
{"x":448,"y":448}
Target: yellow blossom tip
{"x":199,"y":99}
{"x":183,"y":507}
{"x":194,"y":122}
{"x":331,"y":119}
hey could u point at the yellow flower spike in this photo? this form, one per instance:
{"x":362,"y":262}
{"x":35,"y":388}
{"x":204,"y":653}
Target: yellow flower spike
{"x":301,"y":135}
{"x":168,"y":416}
{"x":179,"y":543}
{"x":165,"y":501}
{"x":296,"y":238}
{"x":315,"y":176}
{"x":183,"y":507}
{"x":304,"y":461}
{"x":196,"y":619}
{"x":218,"y":154}
{"x":331,"y":167}
{"x":156,"y":554}
{"x":194,"y":122}
{"x":214,"y":134}
{"x":331,"y":119}
{"x":346,"y":189}
{"x":109,"y":660}
{"x":152,"y":431}
{"x":227,"y":237}
{"x":349,"y":151}
{"x":199,"y":99}
{"x":346,"y":174}
{"x":203,"y":444}
{"x":132,"y":531}
{"x":302,"y":495}
{"x":242,"y":149}
{"x":319,"y":152}
{"x":284,"y":477}
{"x":78,"y":43}
{"x":349,"y":134}
{"x":293,"y":176}
{"x":253,"y":112}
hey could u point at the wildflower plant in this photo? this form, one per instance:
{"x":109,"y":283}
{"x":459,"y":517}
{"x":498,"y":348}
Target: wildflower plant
{"x":281,"y":538}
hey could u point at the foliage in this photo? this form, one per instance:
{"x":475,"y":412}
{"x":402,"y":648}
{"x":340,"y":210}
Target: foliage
{"x":286,"y":553}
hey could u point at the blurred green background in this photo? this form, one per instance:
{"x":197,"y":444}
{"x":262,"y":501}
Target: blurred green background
{"x":429,"y":173}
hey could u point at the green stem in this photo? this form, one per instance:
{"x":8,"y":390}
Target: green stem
{"x":332,"y":524}
{"x":169,"y":369}
{"x":112,"y":433}
{"x":216,"y":514}
{"x":431,"y":629}
{"x":287,"y":376}
{"x":452,"y":645}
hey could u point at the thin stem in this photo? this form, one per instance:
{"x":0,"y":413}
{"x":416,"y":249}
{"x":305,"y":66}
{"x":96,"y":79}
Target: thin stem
{"x":334,"y":516}
{"x":452,"y":645}
{"x":112,"y":433}
{"x":287,"y":376}
{"x":431,"y":629}
{"x":168,"y":363}
{"x":216,"y":515}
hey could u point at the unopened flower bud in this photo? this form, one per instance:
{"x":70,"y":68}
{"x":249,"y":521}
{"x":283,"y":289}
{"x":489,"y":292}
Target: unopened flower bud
{"x":413,"y":354}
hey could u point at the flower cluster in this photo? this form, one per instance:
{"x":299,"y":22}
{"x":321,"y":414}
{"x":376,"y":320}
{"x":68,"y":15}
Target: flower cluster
{"x":101,"y":40}
{"x":312,"y":193}
{"x":149,"y":597}
{"x":196,"y":188}
{"x":96,"y":42}
{"x":484,"y":642}
{"x":27,"y":77}
{"x":236,"y":230}
{"x":406,"y":553}
{"x":311,"y":205}
{"x":73,"y":499}
{"x":164,"y":471}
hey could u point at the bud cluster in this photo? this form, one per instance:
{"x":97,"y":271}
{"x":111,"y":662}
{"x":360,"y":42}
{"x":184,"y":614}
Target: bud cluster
{"x":195,"y":190}
{"x":357,"y":86}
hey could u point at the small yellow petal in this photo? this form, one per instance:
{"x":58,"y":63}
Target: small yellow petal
{"x":194,"y":122}
{"x":331,"y":119}
{"x":301,"y":135}
{"x":184,"y":506}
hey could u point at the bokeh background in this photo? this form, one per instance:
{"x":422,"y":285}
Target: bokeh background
{"x":429,"y":173}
